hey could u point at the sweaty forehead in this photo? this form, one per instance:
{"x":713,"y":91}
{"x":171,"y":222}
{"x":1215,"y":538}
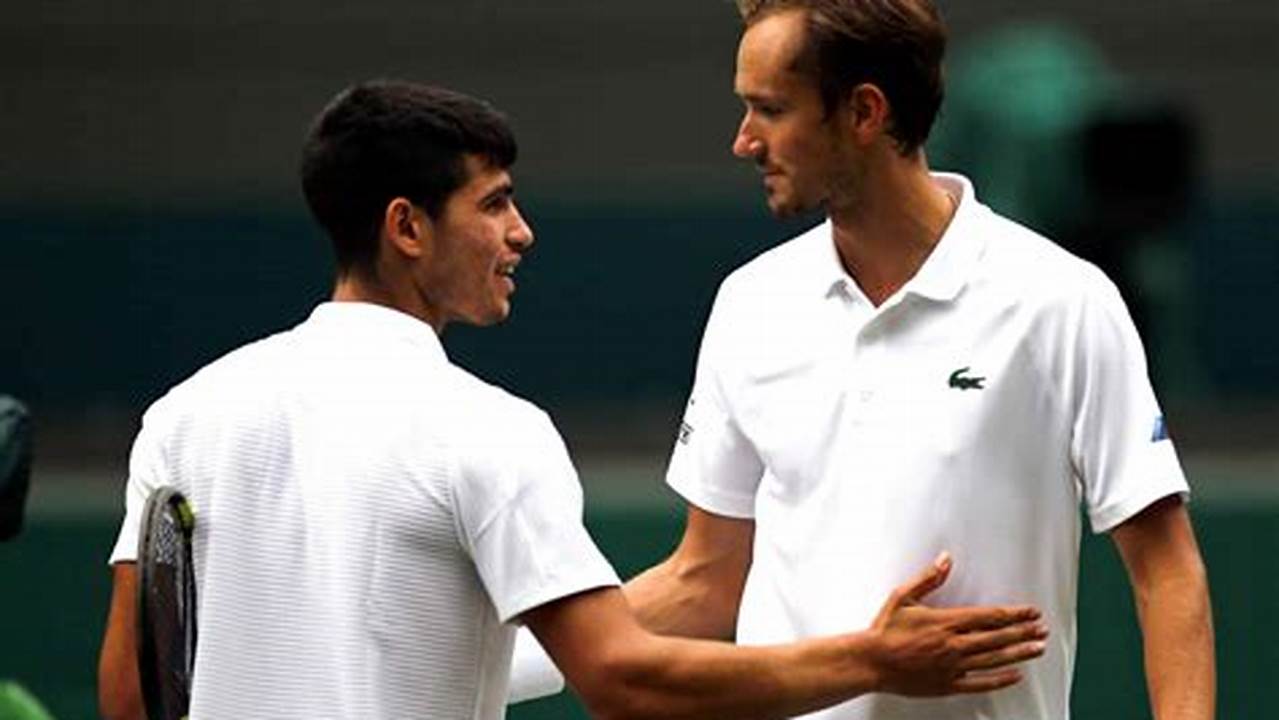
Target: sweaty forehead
{"x":768,"y":50}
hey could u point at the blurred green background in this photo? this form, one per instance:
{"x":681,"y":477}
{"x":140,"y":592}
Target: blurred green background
{"x":57,"y":588}
{"x":150,"y":220}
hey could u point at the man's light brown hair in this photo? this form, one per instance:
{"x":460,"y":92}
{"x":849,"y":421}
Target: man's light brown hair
{"x":896,"y":45}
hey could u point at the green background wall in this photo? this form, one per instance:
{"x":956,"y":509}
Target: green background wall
{"x":55,"y":588}
{"x":108,"y":308}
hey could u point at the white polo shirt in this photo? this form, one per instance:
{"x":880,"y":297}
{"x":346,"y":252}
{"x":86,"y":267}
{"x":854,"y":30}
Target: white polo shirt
{"x":370,"y":521}
{"x":974,"y":411}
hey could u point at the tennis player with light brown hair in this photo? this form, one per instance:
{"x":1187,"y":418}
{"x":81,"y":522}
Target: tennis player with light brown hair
{"x":914,"y":373}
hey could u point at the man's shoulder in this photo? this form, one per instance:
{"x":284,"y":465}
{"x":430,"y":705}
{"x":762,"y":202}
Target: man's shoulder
{"x":493,"y":435}
{"x":765,"y":309}
{"x":1035,"y":268}
{"x":225,"y":374}
{"x":789,"y":264}
{"x":481,"y":404}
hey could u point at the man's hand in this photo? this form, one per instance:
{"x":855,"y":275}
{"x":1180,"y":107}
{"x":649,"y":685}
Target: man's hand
{"x":940,"y":651}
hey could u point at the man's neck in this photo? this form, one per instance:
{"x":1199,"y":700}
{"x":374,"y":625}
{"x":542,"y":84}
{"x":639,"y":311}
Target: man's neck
{"x":885,"y":233}
{"x":357,"y":287}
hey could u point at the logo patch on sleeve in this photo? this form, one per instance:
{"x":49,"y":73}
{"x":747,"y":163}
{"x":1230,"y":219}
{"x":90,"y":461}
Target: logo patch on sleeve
{"x":1160,"y":431}
{"x":685,"y":432}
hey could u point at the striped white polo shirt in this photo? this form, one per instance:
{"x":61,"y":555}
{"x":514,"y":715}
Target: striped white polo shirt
{"x":370,"y":521}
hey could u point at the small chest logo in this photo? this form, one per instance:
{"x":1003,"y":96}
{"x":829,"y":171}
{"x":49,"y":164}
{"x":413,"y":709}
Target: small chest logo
{"x":960,"y":381}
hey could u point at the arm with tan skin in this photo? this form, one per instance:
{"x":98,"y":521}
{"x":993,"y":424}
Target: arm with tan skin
{"x":623,"y":671}
{"x":696,"y":591}
{"x":119,"y":691}
{"x":1170,"y":588}
{"x":693,"y":593}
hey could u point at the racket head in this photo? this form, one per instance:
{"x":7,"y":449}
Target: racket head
{"x":166,"y":605}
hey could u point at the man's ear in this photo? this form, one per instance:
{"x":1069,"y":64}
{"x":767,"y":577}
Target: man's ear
{"x":868,"y":113}
{"x":407,"y":229}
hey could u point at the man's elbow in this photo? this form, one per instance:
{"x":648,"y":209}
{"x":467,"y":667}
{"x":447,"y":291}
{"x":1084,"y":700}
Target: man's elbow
{"x":622,"y":685}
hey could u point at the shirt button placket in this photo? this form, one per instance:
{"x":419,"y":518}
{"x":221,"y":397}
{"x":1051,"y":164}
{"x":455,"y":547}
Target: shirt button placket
{"x":861,"y":387}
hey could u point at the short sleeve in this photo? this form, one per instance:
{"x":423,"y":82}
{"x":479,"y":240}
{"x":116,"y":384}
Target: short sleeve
{"x":1120,"y":446}
{"x":146,"y":473}
{"x":520,"y":508}
{"x":714,"y":466}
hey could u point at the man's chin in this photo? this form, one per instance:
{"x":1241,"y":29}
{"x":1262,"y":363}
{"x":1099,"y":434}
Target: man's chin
{"x":499,"y":314}
{"x":494,"y":316}
{"x":783,"y":208}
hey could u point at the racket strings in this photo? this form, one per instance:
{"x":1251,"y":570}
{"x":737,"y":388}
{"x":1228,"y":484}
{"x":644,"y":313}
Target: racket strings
{"x":168,"y":608}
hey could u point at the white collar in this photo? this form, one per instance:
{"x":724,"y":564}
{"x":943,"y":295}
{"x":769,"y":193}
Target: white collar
{"x":363,"y":318}
{"x":948,"y":266}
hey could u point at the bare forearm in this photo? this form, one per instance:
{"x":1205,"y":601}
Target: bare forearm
{"x":695,"y":592}
{"x":119,"y":691}
{"x":119,"y":697}
{"x":1176,"y":622}
{"x":1170,"y":586}
{"x":668,"y":599}
{"x":692,"y":679}
{"x":622,"y":670}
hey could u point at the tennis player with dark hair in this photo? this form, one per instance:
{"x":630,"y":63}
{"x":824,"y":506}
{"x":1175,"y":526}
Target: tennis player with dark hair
{"x":914,"y":373}
{"x":371,"y":520}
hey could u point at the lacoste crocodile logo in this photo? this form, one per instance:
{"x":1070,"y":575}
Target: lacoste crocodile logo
{"x":959,"y":382}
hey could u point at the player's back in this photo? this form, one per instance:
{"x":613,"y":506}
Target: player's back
{"x":332,"y":577}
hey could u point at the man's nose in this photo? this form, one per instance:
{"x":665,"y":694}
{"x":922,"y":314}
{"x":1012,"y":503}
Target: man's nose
{"x":746,"y":145}
{"x":521,"y":235}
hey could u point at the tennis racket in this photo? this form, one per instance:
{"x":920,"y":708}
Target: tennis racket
{"x":166,"y":605}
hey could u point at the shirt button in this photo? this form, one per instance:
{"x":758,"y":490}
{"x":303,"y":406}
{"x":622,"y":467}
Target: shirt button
{"x":866,"y":395}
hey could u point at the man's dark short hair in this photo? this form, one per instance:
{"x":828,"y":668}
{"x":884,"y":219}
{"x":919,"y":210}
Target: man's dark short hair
{"x":896,"y":45}
{"x":380,"y":140}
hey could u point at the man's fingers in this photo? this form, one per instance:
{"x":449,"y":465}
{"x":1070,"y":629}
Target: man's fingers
{"x":925,"y":582}
{"x":1010,"y":655}
{"x":987,"y":640}
{"x":985,"y":682}
{"x":972,"y":619}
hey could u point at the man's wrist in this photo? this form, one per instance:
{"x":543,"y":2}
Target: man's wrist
{"x":866,"y":653}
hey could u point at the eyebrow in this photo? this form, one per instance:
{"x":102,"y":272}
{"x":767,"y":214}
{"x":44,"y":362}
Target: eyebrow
{"x":756,"y":98}
{"x":506,"y":189}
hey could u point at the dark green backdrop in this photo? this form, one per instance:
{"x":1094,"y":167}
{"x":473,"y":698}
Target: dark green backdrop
{"x":55,"y":586}
{"x":109,"y":308}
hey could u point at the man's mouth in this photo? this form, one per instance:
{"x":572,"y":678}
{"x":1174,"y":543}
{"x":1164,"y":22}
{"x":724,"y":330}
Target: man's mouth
{"x":506,"y":271}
